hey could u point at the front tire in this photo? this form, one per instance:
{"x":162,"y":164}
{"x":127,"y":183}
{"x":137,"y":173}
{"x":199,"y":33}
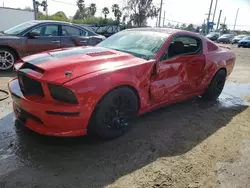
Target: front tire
{"x":112,"y":116}
{"x":216,"y":86}
{"x":7,"y":59}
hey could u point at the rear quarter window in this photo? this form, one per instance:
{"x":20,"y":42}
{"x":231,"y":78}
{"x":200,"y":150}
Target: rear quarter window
{"x":211,"y":47}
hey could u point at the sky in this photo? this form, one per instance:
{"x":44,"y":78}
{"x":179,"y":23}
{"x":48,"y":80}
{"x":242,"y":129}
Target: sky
{"x":182,"y":11}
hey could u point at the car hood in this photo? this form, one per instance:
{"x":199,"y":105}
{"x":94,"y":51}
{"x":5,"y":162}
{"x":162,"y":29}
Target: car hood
{"x":237,"y":38}
{"x":62,"y":65}
{"x":4,"y":36}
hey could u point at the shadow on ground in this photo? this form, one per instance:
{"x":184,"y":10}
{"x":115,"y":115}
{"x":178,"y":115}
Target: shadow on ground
{"x":8,"y":73}
{"x":87,"y":162}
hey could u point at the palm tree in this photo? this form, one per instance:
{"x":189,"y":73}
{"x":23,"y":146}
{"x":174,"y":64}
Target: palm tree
{"x":37,"y":5}
{"x":92,"y":9}
{"x":116,"y":11}
{"x":105,"y":11}
{"x":44,"y":5}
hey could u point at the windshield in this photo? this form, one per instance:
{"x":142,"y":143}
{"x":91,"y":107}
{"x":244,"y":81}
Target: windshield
{"x":240,"y":36}
{"x":19,"y":28}
{"x":246,"y":38}
{"x":142,"y":44}
{"x":212,"y":34}
{"x":226,"y":35}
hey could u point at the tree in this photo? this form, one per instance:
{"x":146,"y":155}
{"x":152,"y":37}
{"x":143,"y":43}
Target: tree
{"x":28,"y":9}
{"x":105,"y":11}
{"x":177,"y":26}
{"x":37,"y":5}
{"x":140,"y":10}
{"x":42,"y":4}
{"x":61,"y":15}
{"x":190,"y":27}
{"x":117,"y":12}
{"x":80,"y":13}
{"x":170,"y":25}
{"x":223,"y":28}
{"x":92,"y":9}
{"x":183,"y":26}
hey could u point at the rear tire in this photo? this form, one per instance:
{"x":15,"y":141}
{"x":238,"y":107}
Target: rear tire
{"x":112,"y":115}
{"x":216,"y":86}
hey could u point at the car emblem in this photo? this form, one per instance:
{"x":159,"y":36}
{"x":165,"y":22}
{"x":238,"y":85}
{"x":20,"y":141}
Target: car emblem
{"x":68,"y":73}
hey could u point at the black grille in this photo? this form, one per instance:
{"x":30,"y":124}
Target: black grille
{"x":23,"y":115}
{"x":29,"y":86}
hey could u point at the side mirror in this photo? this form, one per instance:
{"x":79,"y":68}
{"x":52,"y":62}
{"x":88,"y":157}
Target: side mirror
{"x":33,"y":35}
{"x":164,"y":56}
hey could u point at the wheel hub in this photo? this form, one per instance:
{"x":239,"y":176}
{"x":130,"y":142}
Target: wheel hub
{"x":119,"y":121}
{"x":6,"y":60}
{"x":2,"y":60}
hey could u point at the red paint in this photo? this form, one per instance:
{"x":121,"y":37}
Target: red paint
{"x":158,"y":83}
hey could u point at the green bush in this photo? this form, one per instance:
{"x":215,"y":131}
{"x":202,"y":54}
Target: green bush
{"x":89,"y":20}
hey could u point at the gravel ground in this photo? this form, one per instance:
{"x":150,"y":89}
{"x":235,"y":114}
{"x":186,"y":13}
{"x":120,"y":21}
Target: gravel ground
{"x":191,"y":144}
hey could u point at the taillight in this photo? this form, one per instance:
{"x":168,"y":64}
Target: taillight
{"x":62,"y":94}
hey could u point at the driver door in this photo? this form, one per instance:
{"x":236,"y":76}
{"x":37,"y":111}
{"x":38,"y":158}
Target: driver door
{"x":48,"y":39}
{"x":178,"y":70}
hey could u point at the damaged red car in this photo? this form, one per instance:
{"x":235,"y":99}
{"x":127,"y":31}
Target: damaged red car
{"x":71,"y":91}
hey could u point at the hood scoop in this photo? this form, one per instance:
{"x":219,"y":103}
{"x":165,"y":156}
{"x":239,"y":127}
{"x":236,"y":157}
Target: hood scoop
{"x":95,"y":54}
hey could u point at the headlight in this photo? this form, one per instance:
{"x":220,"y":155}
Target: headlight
{"x":62,"y":94}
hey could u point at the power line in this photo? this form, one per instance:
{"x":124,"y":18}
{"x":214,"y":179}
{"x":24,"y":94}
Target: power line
{"x":64,"y":2}
{"x":200,"y":24}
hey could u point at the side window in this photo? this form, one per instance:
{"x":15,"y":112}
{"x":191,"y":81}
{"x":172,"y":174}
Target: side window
{"x":211,"y":47}
{"x":184,"y":45}
{"x":72,"y":31}
{"x":47,"y":31}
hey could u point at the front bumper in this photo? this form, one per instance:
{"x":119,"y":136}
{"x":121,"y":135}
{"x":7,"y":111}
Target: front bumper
{"x":47,"y":117}
{"x":244,"y":44}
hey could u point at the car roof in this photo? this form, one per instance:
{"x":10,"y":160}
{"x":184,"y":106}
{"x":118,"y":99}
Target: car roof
{"x":49,"y":21}
{"x":162,"y":30}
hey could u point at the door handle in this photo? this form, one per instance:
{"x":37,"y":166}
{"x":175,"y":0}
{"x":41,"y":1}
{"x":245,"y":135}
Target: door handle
{"x":83,"y":41}
{"x":55,"y":41}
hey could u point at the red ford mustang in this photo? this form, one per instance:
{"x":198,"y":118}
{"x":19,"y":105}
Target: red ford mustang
{"x":70,"y":91}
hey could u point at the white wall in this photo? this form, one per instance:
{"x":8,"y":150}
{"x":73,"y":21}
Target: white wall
{"x":11,"y":17}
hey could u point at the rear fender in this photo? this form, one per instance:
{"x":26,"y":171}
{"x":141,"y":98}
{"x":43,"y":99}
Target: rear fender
{"x":211,"y":70}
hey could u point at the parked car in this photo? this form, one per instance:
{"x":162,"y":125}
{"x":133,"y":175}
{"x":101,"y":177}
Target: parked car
{"x":237,"y":39}
{"x":37,"y":36}
{"x":245,"y":42}
{"x":226,"y":38}
{"x":213,"y":36}
{"x":101,"y":88}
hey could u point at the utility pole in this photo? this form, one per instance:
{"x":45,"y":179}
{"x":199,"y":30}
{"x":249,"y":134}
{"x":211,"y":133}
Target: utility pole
{"x":225,"y":20}
{"x":215,"y":10}
{"x":219,"y":20}
{"x":208,"y":18}
{"x":35,"y":9}
{"x":164,"y":19}
{"x":159,"y":22}
{"x":236,"y":18}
